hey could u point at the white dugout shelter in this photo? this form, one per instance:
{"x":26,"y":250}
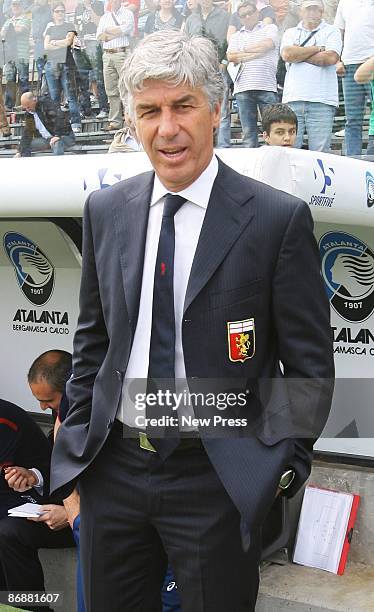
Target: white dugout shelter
{"x":41,"y":203}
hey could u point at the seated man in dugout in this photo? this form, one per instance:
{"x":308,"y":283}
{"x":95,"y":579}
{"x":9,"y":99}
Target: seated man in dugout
{"x":24,"y":477}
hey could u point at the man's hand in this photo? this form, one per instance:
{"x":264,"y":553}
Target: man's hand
{"x":114,"y":31}
{"x":20,"y":479}
{"x":18,"y":154}
{"x":72,"y":507}
{"x":105,"y":37}
{"x":69,"y":39}
{"x":53,"y":516}
{"x":323,"y":58}
{"x":234,"y":56}
{"x":340,"y":69}
{"x":53,"y":140}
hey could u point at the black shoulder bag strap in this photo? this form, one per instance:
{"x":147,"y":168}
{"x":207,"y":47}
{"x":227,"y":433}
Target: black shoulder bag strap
{"x":281,"y":66}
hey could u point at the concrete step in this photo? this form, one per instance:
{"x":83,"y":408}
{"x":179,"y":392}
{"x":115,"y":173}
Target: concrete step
{"x":294,"y":588}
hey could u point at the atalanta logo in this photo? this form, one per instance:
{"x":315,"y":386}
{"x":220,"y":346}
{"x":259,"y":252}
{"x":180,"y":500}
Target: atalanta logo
{"x":348,"y":272}
{"x":34,"y":272}
{"x":369,"y":188}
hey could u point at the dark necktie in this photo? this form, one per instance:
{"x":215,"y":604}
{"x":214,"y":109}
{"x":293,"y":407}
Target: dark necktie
{"x":161,"y":370}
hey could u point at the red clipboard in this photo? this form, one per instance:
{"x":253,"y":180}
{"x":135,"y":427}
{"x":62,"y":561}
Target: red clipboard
{"x":348,"y":537}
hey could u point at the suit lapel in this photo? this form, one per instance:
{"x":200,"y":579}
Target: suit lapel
{"x":227,"y":215}
{"x":131,"y":220}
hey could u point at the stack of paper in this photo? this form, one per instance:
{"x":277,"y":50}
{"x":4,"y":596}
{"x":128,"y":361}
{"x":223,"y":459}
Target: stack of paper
{"x":26,"y":510}
{"x":325,"y":529}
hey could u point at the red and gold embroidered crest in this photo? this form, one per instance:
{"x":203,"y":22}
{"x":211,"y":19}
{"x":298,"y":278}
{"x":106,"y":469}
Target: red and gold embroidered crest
{"x":241,"y":339}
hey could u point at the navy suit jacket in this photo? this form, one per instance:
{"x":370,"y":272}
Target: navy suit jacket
{"x":256,"y":258}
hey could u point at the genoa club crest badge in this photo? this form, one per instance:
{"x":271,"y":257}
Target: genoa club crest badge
{"x":241,"y":339}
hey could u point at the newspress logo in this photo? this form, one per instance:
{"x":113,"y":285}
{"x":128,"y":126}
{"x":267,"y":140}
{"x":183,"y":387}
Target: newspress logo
{"x":324,"y":178}
{"x":369,"y":188}
{"x":34,"y":272}
{"x":348,"y":272}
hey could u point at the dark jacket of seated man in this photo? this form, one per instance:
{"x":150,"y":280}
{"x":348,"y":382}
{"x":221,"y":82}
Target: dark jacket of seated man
{"x":54,"y":120}
{"x":23,"y":444}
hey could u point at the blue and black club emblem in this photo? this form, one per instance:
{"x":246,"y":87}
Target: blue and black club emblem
{"x":34,"y":272}
{"x":348,"y":272}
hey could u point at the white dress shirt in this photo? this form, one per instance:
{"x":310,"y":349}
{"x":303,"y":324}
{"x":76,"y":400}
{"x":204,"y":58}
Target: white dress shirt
{"x":39,"y":125}
{"x":40,"y":484}
{"x":188,"y":222}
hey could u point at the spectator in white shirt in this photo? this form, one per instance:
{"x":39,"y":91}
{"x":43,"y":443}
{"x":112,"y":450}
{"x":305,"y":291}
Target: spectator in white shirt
{"x":355,"y":18}
{"x":114,"y":30}
{"x":255,"y":47}
{"x":311,"y":50}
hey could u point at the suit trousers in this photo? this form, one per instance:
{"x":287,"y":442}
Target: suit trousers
{"x":137,"y":512}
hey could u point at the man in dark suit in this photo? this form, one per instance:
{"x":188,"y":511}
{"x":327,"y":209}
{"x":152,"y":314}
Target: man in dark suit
{"x":197,"y":283}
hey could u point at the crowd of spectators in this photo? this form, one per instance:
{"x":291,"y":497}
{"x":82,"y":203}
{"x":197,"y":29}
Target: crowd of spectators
{"x":300,"y":52}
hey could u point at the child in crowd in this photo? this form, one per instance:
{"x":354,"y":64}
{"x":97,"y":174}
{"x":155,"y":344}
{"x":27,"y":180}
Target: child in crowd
{"x":279,"y":124}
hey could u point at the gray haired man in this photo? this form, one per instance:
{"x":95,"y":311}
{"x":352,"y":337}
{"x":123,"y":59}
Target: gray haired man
{"x":173,"y":291}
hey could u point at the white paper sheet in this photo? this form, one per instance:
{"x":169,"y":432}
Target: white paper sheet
{"x":322,"y":528}
{"x":26,"y":510}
